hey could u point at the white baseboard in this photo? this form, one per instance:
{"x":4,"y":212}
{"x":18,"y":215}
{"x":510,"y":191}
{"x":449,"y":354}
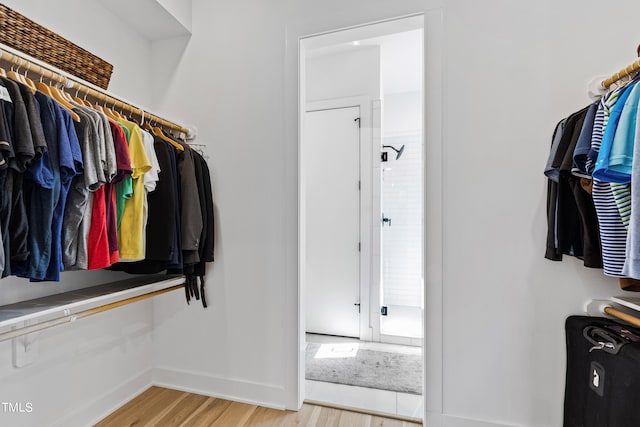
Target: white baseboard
{"x":441,"y":420}
{"x":268,"y":395}
{"x":106,"y":403}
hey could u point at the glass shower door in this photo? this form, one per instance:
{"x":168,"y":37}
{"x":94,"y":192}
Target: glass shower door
{"x":402,"y":230}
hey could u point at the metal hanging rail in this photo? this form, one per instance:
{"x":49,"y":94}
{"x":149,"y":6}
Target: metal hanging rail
{"x":74,"y":84}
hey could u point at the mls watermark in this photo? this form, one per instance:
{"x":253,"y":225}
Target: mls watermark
{"x":16,"y":407}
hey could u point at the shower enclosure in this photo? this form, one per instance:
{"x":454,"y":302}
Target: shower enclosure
{"x":402,"y":231}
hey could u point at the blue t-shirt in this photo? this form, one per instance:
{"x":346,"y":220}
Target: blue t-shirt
{"x":38,"y":187}
{"x":621,"y":156}
{"x":601,"y":170}
{"x":70,"y":164}
{"x":39,"y":171}
{"x":48,"y":197}
{"x":583,"y":145}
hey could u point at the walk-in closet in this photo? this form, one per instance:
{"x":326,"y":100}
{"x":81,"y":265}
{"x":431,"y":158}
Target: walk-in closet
{"x":236,"y":213}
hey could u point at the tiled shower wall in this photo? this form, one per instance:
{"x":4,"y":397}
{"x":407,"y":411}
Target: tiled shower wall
{"x":402,"y":201}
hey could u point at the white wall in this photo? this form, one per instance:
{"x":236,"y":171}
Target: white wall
{"x":87,"y":368}
{"x":402,"y":114}
{"x":96,"y":29}
{"x":343,"y":75}
{"x":84,"y":370}
{"x":512,"y":70}
{"x":247,"y":340}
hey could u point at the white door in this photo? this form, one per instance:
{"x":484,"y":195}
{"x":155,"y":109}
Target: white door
{"x":332,"y":163}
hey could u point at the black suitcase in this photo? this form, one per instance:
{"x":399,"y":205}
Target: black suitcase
{"x":602,"y":386}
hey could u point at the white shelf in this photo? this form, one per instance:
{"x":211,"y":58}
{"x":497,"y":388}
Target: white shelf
{"x":629,"y":302}
{"x":69,"y":303}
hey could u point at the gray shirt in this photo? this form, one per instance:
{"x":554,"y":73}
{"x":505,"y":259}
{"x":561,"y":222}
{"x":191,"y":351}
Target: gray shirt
{"x":110,"y":167}
{"x":75,"y":208}
{"x":191,"y":215}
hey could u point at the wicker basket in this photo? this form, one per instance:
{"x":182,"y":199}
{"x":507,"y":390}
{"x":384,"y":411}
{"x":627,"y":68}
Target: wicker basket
{"x":21,"y":33}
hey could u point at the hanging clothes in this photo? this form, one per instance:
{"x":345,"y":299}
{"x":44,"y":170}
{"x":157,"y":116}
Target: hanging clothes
{"x":163,"y":222}
{"x":570,"y":212}
{"x":131,"y":230}
{"x":603,"y":154}
{"x":67,"y":155}
{"x":632,"y":256}
{"x":97,"y":193}
{"x":15,"y":231}
{"x":77,"y":214}
{"x":123,"y":172}
{"x":191,"y":215}
{"x":206,"y":247}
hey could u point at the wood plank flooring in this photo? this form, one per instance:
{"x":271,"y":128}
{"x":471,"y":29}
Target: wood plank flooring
{"x":170,"y":408}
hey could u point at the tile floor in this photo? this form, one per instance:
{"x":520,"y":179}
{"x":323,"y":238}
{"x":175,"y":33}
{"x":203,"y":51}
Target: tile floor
{"x":402,"y":321}
{"x":391,"y":402}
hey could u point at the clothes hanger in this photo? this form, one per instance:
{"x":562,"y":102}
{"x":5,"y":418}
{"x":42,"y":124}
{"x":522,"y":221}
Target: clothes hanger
{"x":3,"y":72}
{"x":66,"y":94}
{"x":147,"y":125}
{"x":85,"y":101}
{"x":28,"y":81}
{"x":14,"y":75}
{"x":109,"y":112}
{"x":124,"y":116}
{"x":56,"y":94}
{"x":624,"y":81}
{"x":96,"y":106}
{"x":43,"y":87}
{"x":115,"y":112}
{"x":62,"y":96}
{"x":75,"y":98}
{"x":158,"y":132}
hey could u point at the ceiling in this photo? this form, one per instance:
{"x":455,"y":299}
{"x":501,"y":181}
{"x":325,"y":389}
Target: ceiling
{"x":401,"y":52}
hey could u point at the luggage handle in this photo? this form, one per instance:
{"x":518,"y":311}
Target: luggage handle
{"x":603,"y":340}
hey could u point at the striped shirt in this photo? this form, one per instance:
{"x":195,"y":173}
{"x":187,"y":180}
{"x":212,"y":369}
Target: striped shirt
{"x":614,"y":163}
{"x":613,"y":234}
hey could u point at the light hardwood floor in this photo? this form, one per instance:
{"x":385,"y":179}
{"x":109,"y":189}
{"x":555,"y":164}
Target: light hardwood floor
{"x":171,"y":408}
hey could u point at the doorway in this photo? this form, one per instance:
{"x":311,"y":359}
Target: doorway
{"x":361,"y":212}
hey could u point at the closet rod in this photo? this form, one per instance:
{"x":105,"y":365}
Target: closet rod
{"x":82,"y":314}
{"x":631,"y":69}
{"x":621,"y":315}
{"x":73,"y":84}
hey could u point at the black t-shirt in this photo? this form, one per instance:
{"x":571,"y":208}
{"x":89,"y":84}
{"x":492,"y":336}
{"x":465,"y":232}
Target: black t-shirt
{"x":22,"y":139}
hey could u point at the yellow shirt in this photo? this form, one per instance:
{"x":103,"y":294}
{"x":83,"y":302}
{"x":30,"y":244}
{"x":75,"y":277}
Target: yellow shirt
{"x":132,"y":227}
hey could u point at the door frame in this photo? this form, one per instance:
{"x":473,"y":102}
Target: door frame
{"x":434,"y":155}
{"x":367,"y":151}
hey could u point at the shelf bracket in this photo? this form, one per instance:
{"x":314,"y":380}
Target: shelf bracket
{"x":24,"y":348}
